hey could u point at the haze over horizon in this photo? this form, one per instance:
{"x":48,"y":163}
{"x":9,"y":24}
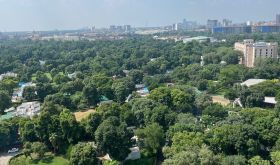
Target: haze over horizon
{"x":27,"y":15}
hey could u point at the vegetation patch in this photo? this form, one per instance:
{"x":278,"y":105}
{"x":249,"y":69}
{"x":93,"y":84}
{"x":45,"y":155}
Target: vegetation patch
{"x":49,"y":159}
{"x":83,"y":114}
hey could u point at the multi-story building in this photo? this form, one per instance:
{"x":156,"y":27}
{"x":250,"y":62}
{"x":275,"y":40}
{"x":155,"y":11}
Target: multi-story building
{"x":253,"y":51}
{"x":266,"y":29}
{"x":127,"y":28}
{"x":226,"y":22}
{"x":177,"y":26}
{"x":212,"y":23}
{"x":278,"y":19}
{"x":232,"y":29}
{"x":184,"y":25}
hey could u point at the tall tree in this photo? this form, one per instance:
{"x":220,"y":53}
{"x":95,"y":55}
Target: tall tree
{"x":112,"y":137}
{"x":69,"y":126}
{"x":5,"y":101}
{"x":29,"y":93}
{"x":152,"y":137}
{"x":91,"y":94}
{"x":83,"y":154}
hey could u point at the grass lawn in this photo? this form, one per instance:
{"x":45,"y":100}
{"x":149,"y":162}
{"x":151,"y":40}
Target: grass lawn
{"x":33,"y":78}
{"x":49,"y":76}
{"x":47,"y":160}
{"x":83,"y":114}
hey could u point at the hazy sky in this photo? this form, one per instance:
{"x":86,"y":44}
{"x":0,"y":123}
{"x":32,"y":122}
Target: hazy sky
{"x":17,"y":15}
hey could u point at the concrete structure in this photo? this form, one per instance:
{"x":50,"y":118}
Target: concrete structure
{"x":252,"y":51}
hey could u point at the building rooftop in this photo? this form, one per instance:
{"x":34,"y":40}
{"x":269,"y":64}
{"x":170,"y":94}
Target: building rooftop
{"x":270,"y":100}
{"x":263,"y":44}
{"x":251,"y":82}
{"x":28,"y":109}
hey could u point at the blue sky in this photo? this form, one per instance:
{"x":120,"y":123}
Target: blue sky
{"x":17,"y":15}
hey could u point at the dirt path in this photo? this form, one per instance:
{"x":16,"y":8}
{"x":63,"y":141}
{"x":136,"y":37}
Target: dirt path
{"x":5,"y":158}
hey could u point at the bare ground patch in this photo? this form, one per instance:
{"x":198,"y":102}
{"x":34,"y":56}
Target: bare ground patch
{"x":83,"y":114}
{"x":220,"y":99}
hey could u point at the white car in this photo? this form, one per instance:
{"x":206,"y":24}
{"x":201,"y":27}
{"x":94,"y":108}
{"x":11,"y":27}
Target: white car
{"x":13,"y":150}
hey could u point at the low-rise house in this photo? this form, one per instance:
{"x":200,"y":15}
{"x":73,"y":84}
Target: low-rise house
{"x":144,"y":92}
{"x":8,"y":74}
{"x":17,"y":94}
{"x":104,"y":100}
{"x":139,"y":86}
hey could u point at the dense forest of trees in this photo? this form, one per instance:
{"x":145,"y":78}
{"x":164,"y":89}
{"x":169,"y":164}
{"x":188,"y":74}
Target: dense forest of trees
{"x":176,"y":124}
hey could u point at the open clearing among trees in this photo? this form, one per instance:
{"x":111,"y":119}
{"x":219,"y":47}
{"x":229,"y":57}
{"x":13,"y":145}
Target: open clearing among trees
{"x":220,"y":99}
{"x":83,"y":114}
{"x":47,"y":160}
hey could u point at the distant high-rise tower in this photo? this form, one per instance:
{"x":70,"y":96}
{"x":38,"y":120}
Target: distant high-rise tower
{"x":212,"y":23}
{"x":278,"y":19}
{"x":226,"y":22}
{"x":127,"y":28}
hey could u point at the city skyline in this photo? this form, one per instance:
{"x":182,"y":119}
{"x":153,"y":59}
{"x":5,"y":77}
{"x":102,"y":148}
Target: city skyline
{"x":27,"y":15}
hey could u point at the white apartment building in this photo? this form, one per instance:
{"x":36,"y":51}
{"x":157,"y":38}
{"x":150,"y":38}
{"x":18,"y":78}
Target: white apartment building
{"x":252,"y":51}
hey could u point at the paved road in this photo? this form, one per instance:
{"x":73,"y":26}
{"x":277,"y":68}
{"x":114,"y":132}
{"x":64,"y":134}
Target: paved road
{"x":4,"y":158}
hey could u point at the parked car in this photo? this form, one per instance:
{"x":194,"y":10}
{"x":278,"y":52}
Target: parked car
{"x":13,"y":150}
